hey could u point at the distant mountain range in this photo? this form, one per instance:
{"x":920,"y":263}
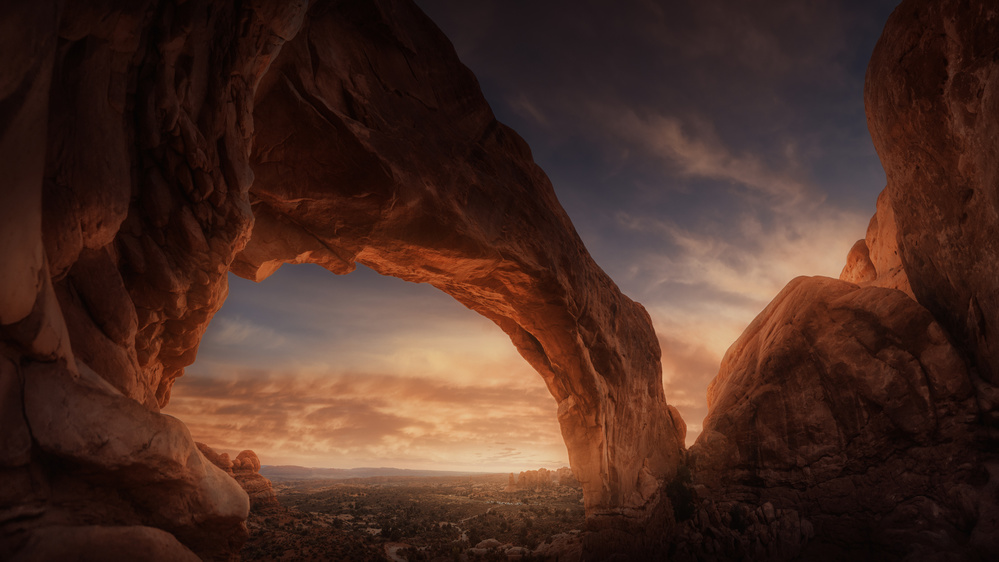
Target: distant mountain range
{"x":290,"y":472}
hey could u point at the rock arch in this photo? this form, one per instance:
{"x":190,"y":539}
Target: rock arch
{"x":373,"y":144}
{"x":127,"y":138}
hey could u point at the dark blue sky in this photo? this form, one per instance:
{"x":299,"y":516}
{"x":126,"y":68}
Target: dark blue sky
{"x":707,"y":153}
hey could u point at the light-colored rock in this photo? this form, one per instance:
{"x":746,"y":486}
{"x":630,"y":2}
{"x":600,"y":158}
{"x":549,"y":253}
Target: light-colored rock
{"x":859,"y":269}
{"x":83,"y":419}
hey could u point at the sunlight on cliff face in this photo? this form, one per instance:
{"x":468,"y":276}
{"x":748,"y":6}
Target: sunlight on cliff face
{"x":702,"y":297}
{"x":312,"y":369}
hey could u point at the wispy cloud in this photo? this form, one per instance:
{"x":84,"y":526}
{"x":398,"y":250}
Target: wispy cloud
{"x":349,"y":420}
{"x":524,"y":107}
{"x":702,"y":289}
{"x":696,"y":151}
{"x":231,"y":331}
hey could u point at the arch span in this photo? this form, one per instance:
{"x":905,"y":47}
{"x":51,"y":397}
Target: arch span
{"x":373,"y":144}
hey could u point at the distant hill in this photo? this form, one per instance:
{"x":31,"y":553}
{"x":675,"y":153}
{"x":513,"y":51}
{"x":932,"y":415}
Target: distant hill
{"x":290,"y":472}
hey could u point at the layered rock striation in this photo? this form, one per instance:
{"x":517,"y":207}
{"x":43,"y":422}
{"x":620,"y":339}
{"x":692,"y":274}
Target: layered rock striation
{"x":147,"y":144}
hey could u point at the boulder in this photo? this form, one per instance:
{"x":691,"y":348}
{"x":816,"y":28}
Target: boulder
{"x":825,"y":374}
{"x":849,"y":406}
{"x":868,"y":406}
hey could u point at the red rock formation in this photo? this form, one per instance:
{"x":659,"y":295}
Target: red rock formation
{"x":565,"y":477}
{"x":874,"y":260}
{"x":246,"y":471}
{"x":932,"y":110}
{"x":535,"y":479}
{"x":115,"y":259}
{"x":851,"y":406}
{"x":511,"y":483}
{"x":869,"y":412}
{"x":347,"y":171}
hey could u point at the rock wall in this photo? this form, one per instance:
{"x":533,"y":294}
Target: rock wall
{"x":129,"y":190}
{"x":866,"y":406}
{"x":125,"y":141}
{"x":932,"y":97}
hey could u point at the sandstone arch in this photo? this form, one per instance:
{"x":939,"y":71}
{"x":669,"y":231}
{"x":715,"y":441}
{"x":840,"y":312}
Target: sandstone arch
{"x":126,"y":143}
{"x":373,"y":144}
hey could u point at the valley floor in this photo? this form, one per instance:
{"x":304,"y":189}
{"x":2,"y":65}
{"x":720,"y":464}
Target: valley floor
{"x":415,"y":519}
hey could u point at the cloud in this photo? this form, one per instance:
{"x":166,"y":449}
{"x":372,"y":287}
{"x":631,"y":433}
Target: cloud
{"x":703,"y":155}
{"x":703,"y":287}
{"x":360,"y":419}
{"x":752,"y":261}
{"x":524,"y":107}
{"x":238,"y":331}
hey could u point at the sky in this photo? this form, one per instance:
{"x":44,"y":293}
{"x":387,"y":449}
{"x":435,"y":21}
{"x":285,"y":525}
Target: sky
{"x":707,"y":151}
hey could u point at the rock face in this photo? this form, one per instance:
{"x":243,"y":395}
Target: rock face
{"x":866,"y":406}
{"x":246,"y":471}
{"x":836,"y":400}
{"x":565,"y":477}
{"x":129,"y":192}
{"x":932,"y":97}
{"x":874,"y":260}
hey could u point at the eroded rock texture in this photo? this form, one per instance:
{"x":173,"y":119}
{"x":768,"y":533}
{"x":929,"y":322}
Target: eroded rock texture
{"x":865,"y":407}
{"x":374,"y":145}
{"x":125,"y":140}
{"x":847,"y":404}
{"x":874,"y":260}
{"x":245,"y":469}
{"x":932,"y":98}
